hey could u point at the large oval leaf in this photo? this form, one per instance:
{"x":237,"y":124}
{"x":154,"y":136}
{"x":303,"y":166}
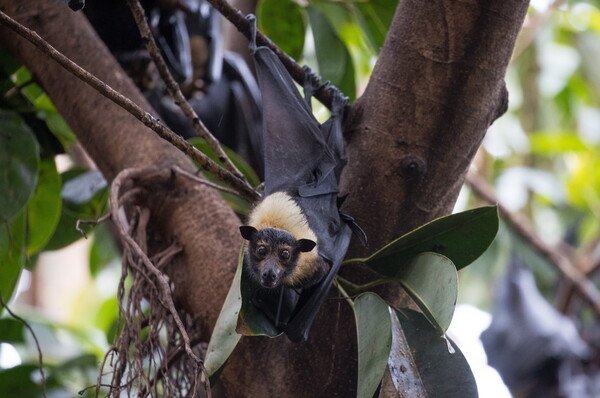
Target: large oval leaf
{"x":263,"y":311}
{"x":19,"y":158}
{"x":282,"y":22}
{"x":12,"y":255}
{"x":224,"y":338}
{"x":374,"y":333}
{"x":260,"y":308}
{"x":431,"y":280}
{"x":462,"y":237}
{"x":333,"y":58}
{"x":421,"y":364}
{"x":43,"y":210}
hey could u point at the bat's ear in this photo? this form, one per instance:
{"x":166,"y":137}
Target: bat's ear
{"x":306,"y":245}
{"x":248,"y":231}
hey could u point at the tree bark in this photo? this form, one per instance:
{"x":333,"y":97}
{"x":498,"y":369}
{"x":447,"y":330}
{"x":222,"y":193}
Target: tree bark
{"x":436,"y":88}
{"x":192,"y":214}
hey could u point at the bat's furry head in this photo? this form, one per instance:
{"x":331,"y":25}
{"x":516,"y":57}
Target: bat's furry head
{"x":272,"y":254}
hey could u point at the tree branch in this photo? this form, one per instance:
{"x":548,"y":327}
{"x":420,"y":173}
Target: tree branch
{"x":173,"y":87}
{"x":244,"y":190}
{"x":521,"y":227}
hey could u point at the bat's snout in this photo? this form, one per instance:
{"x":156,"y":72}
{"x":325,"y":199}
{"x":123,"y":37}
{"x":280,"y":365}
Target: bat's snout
{"x":269,"y":277}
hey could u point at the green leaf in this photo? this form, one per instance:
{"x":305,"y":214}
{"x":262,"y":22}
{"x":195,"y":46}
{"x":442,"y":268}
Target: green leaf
{"x":252,"y":321}
{"x":65,"y":232}
{"x":431,"y":280}
{"x":85,"y":195}
{"x":103,"y":250}
{"x":461,"y":237}
{"x":374,"y":333}
{"x":57,"y":125}
{"x":423,"y":364}
{"x":19,"y":159}
{"x":8,"y":62}
{"x":11,"y":331}
{"x":44,"y":207}
{"x":236,"y":159}
{"x":333,"y":58}
{"x":282,"y":22}
{"x":82,"y":188}
{"x":376,"y":18}
{"x":556,"y":143}
{"x":238,"y":205}
{"x":18,"y":382}
{"x":12,"y":255}
{"x":224,"y":338}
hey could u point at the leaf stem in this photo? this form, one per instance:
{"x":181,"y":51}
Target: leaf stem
{"x":337,"y":284}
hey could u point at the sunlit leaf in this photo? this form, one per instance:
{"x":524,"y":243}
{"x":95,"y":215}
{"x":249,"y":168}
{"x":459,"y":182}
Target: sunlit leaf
{"x":462,"y":237}
{"x":335,"y":63}
{"x":376,"y":17}
{"x":19,"y":159}
{"x":423,"y":364}
{"x":43,"y":210}
{"x":224,"y":338}
{"x":374,"y":334}
{"x":555,"y":143}
{"x":282,"y":22}
{"x":431,"y":280}
{"x":238,"y":204}
{"x":236,"y":159}
{"x":12,"y":255}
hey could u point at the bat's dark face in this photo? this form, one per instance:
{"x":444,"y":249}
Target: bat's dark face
{"x":272,"y":254}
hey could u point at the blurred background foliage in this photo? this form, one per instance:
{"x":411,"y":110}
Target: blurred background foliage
{"x":542,"y":157}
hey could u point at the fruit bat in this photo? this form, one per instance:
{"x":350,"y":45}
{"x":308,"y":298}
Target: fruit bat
{"x":297,"y":237}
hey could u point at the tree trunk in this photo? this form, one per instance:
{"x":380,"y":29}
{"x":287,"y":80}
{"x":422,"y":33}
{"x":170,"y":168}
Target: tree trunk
{"x":436,"y":88}
{"x":192,"y":214}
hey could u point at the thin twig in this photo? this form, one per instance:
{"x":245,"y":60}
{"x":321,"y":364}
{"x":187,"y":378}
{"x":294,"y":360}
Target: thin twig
{"x":93,"y":222}
{"x":148,"y":38}
{"x":37,"y":343}
{"x":238,"y":19}
{"x":522,"y":228}
{"x":203,"y":181}
{"x":18,"y":88}
{"x":240,"y":185}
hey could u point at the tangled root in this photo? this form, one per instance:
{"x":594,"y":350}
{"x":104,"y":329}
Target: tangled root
{"x":152,"y":354}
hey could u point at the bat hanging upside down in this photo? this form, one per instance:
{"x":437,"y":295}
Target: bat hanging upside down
{"x":282,"y":249}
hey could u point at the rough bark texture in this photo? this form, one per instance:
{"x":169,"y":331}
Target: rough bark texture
{"x":437,"y":87}
{"x":192,"y":214}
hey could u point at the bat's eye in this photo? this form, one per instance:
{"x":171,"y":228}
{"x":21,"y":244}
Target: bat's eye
{"x":261,"y":250}
{"x":285,"y":254}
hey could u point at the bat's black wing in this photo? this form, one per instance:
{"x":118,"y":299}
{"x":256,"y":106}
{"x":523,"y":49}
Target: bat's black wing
{"x":305,"y":159}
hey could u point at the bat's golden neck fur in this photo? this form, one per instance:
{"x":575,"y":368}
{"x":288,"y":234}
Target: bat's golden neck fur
{"x":280,"y":211}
